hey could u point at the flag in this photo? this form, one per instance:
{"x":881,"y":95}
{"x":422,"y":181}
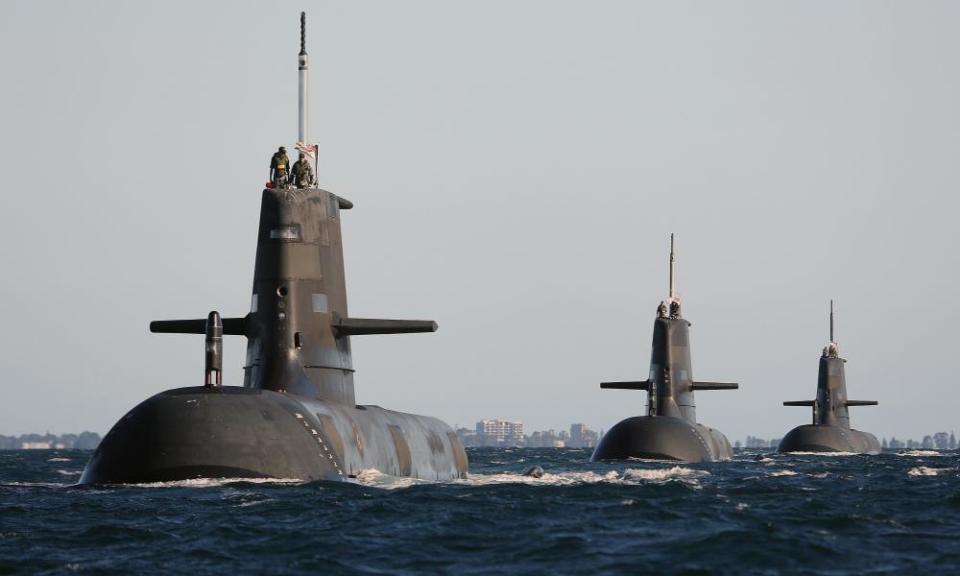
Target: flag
{"x":309,"y":149}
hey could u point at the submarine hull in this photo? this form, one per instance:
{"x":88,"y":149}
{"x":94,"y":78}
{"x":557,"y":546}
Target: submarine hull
{"x":823,"y":438}
{"x":234,"y":432}
{"x":662,"y":438}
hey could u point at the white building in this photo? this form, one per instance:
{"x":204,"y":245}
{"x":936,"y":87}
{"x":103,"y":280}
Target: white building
{"x":500,"y":432}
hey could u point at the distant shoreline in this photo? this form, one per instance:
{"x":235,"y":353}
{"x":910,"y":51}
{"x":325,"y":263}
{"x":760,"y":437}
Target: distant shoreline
{"x":83,"y":441}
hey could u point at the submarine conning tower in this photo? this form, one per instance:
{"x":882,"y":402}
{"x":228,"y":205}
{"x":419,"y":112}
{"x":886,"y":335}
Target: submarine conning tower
{"x":671,"y":373}
{"x":298,"y":328}
{"x":831,"y":406}
{"x":670,"y":385}
{"x":299,"y":294}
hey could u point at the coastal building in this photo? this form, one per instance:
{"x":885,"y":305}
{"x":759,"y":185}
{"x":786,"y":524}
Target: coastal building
{"x":582,"y":437}
{"x":507,"y":433}
{"x":500,"y":433}
{"x":547,"y":439}
{"x":468,"y":437}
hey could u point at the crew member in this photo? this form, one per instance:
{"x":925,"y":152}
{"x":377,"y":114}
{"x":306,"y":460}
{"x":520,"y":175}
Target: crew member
{"x":278,"y":168}
{"x":662,"y":310}
{"x":675,"y":309}
{"x":302,"y":173}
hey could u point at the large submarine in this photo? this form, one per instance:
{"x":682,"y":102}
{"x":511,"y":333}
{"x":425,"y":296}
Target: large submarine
{"x":830,"y":430}
{"x":670,"y":430}
{"x":295,"y":415}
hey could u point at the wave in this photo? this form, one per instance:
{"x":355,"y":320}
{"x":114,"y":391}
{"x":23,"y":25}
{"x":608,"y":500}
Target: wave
{"x":35,"y":484}
{"x":248,"y":503}
{"x":377,"y":479}
{"x":676,"y":472}
{"x":925,"y":471}
{"x":630,"y":476}
{"x":828,"y":454}
{"x":212,"y":482}
{"x":921,"y":453}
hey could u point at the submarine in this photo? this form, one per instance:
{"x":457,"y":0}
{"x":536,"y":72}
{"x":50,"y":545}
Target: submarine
{"x":669,"y":430}
{"x":830,"y":430}
{"x":295,"y":416}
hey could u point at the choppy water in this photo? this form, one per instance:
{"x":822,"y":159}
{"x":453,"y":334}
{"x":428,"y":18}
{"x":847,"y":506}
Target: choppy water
{"x":894,"y":513}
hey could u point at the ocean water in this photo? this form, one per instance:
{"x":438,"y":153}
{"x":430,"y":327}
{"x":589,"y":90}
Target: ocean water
{"x":759,"y":514}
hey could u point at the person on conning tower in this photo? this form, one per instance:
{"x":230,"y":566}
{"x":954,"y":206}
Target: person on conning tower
{"x":662,"y":310}
{"x":278,"y":168}
{"x":302,"y":174}
{"x":675,"y":309}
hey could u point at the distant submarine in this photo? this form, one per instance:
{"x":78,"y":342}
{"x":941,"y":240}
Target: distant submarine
{"x":670,"y":430}
{"x":830,"y":430}
{"x":295,"y":416}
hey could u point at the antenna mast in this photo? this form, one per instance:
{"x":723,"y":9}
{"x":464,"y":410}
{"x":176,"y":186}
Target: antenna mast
{"x":831,"y":322}
{"x":304,"y":71}
{"x":673,"y":290}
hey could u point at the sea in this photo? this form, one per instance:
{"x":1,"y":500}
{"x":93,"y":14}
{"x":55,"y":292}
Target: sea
{"x":761,"y":513}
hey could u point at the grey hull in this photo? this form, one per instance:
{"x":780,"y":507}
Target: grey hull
{"x":822,"y":438}
{"x":238,"y":432}
{"x":662,"y":438}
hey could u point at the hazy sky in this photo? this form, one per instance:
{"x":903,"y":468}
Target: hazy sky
{"x":517,"y":168}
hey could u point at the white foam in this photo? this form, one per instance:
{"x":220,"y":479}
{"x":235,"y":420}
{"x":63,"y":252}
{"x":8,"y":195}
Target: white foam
{"x":830,"y":454}
{"x":377,"y":479}
{"x":36,"y":484}
{"x":213,"y":482}
{"x":254,"y":502}
{"x":650,"y":460}
{"x":920,"y":453}
{"x":68,"y":472}
{"x":58,"y":460}
{"x":664,"y":473}
{"x":924,"y":471}
{"x":629,"y":476}
{"x":561,"y":479}
{"x":777,"y":473}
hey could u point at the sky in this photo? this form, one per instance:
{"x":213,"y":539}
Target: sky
{"x":516,"y":169}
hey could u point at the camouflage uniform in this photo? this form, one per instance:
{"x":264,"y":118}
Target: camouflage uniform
{"x":278,"y":167}
{"x":662,"y":310}
{"x":302,"y":176}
